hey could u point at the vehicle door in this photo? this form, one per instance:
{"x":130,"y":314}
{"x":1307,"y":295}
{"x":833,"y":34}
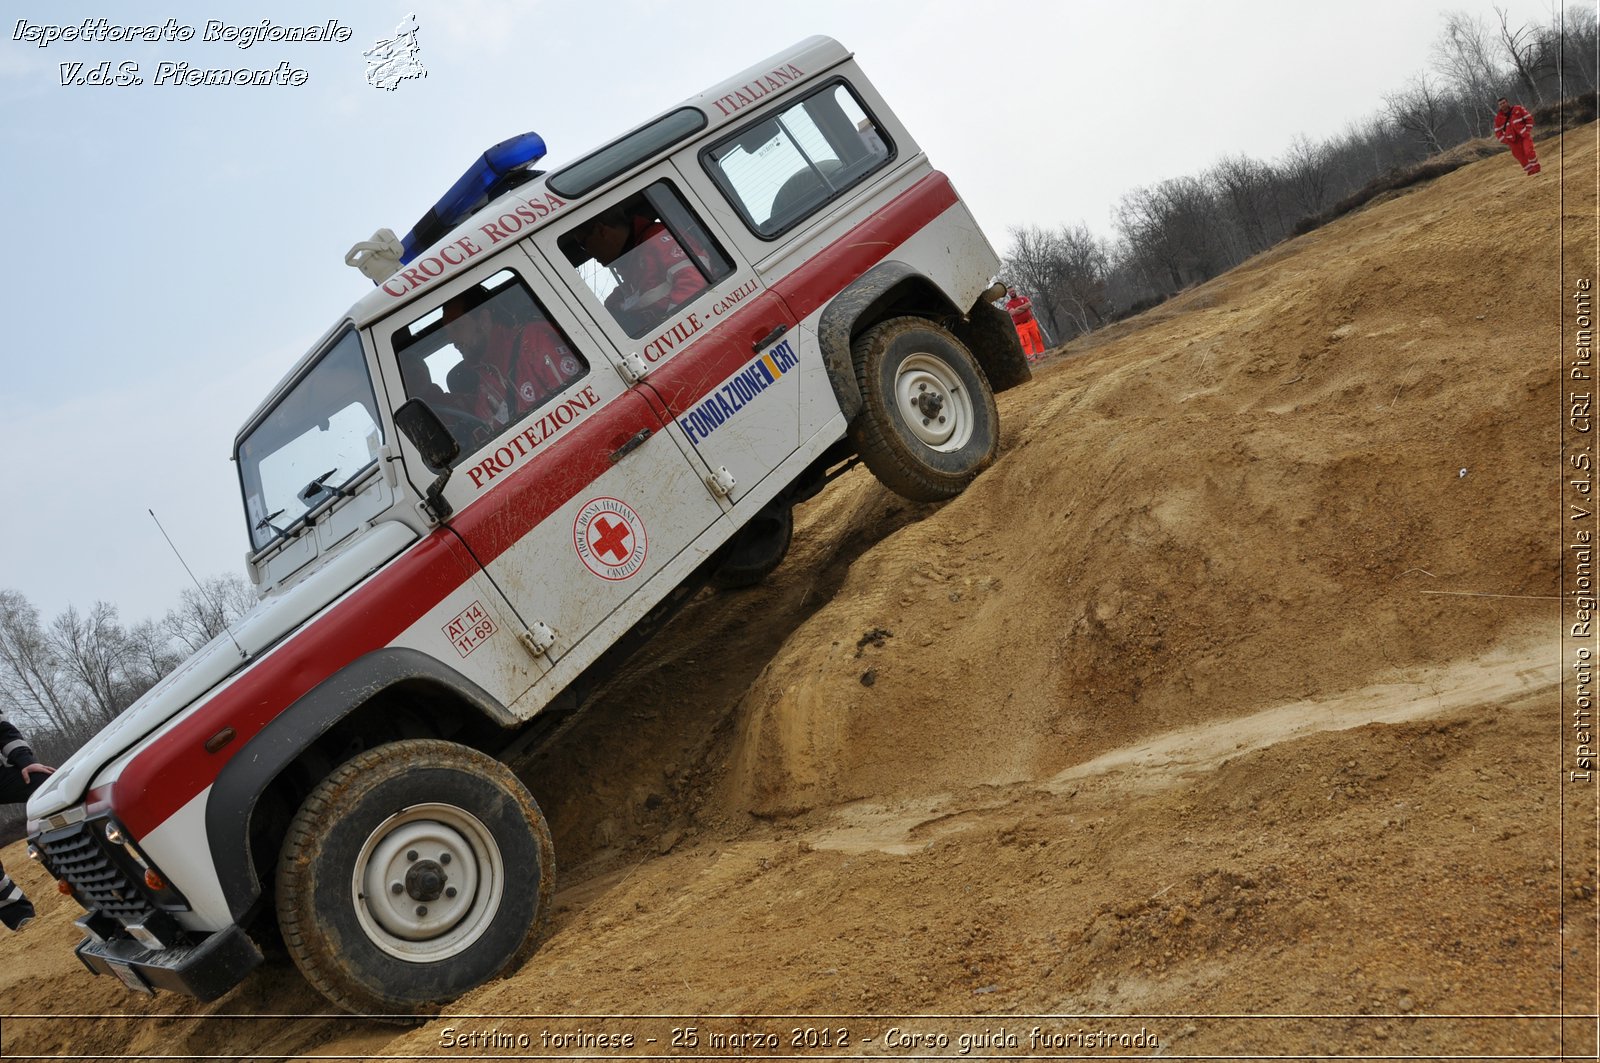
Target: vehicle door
{"x":693,"y":320}
{"x":565,"y":491}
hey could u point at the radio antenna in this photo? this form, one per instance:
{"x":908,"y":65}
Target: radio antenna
{"x":203,"y":596}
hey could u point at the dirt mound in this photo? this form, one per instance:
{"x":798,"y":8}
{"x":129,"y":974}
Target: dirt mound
{"x":1241,"y":503}
{"x":1229,"y":691}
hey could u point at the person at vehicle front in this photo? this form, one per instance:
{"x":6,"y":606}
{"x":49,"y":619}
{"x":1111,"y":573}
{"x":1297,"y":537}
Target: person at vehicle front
{"x":1513,"y":127}
{"x":654,"y":274}
{"x":20,"y":775}
{"x":1020,"y":307}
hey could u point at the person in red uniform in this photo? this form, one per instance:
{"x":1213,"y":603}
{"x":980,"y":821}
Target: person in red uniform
{"x":1513,"y":127}
{"x":1021,"y":309}
{"x":654,"y":274}
{"x":507,"y":368}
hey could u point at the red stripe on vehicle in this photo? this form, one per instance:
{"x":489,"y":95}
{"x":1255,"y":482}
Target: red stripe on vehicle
{"x":824,"y":274}
{"x":683,"y":381}
{"x":164,"y":777}
{"x":498,"y":521}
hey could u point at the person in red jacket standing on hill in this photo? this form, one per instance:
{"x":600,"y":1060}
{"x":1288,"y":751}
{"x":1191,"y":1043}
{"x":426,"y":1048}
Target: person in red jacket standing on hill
{"x":1513,"y":126}
{"x":1021,"y":309}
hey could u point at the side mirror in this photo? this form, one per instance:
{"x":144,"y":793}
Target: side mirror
{"x":428,"y":434}
{"x":438,"y":448}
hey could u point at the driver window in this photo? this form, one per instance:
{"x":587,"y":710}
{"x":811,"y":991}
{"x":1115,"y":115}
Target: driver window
{"x":486,"y":359}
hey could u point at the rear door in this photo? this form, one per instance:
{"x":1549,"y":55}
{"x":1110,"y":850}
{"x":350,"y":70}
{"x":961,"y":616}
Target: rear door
{"x":716,"y":348}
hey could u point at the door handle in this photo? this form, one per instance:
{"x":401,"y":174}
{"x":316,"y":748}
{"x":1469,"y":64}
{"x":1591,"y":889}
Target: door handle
{"x":770,"y":338}
{"x":630,"y":446}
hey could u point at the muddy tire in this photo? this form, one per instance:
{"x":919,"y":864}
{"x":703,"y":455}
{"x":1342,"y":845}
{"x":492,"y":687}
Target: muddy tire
{"x":759,"y":548}
{"x":928,"y":423}
{"x":414,"y":872}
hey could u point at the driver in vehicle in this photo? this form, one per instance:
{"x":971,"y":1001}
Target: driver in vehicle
{"x":509,"y":366}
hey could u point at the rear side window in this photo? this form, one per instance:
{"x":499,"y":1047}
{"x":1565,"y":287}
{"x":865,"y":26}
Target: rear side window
{"x":781,"y":170}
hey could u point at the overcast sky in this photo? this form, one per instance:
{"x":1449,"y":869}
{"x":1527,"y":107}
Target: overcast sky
{"x":171,"y":250}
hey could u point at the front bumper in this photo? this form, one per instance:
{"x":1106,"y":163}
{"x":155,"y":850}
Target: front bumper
{"x":204,"y":971}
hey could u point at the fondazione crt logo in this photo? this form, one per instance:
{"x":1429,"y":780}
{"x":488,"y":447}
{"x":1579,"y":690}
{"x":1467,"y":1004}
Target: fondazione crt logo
{"x":389,"y":61}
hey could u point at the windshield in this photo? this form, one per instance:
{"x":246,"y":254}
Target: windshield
{"x":319,"y":437}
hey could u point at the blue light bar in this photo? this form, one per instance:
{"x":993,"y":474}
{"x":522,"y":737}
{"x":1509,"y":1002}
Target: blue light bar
{"x":484,"y":179}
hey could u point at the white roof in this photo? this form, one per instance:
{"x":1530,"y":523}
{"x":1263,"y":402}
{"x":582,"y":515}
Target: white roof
{"x":722,"y":104}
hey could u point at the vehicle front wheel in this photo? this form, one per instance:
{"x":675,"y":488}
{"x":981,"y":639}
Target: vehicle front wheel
{"x":928,"y":423}
{"x":414,"y":872}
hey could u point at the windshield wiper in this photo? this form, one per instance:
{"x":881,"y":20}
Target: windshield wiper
{"x":266,"y":522}
{"x":320,"y":485}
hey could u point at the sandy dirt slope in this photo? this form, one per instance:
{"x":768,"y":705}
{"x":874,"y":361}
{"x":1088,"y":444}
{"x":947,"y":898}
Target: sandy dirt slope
{"x":1224,"y":710}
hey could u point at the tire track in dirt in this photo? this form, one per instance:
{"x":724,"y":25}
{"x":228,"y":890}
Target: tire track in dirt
{"x":1175,"y":757}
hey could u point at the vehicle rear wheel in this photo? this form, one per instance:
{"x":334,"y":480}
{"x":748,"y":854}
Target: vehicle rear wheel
{"x":759,"y":548}
{"x":414,"y":872}
{"x":928,"y":423}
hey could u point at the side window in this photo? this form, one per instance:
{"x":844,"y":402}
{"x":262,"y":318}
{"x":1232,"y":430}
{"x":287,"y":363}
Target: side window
{"x":645,"y":257}
{"x":486,"y":359}
{"x":782,"y":169}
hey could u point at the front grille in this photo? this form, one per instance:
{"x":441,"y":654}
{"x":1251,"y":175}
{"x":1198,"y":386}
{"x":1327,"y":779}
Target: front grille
{"x":78,"y":855}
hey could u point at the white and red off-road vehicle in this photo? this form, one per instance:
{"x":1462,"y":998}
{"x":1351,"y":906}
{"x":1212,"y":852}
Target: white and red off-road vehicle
{"x":496,"y":475}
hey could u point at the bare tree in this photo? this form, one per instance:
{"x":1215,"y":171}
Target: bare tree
{"x":150,"y":654}
{"x":205,"y":612}
{"x":1247,"y":189}
{"x":71,"y":677}
{"x":1187,"y":229}
{"x":31,"y":680}
{"x":1080,"y":286}
{"x":1420,"y":110}
{"x":1033,"y":264}
{"x":1580,"y":48}
{"x":1307,"y":168}
{"x":1464,"y":56}
{"x":1177,"y":228}
{"x":1149,"y":242}
{"x":1523,"y":46}
{"x":1375,"y":148}
{"x":93,"y":650}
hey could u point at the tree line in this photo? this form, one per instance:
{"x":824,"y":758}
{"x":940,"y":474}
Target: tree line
{"x":64,"y":679}
{"x":1184,"y":230}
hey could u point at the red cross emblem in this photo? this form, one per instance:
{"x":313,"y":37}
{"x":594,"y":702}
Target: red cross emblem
{"x":610,"y":539}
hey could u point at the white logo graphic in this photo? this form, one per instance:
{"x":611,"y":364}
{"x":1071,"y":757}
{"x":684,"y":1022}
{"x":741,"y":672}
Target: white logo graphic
{"x":610,"y":538}
{"x":392,"y":61}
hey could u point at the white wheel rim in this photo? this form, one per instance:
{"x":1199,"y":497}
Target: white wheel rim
{"x":450,"y":875}
{"x":933,"y":402}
